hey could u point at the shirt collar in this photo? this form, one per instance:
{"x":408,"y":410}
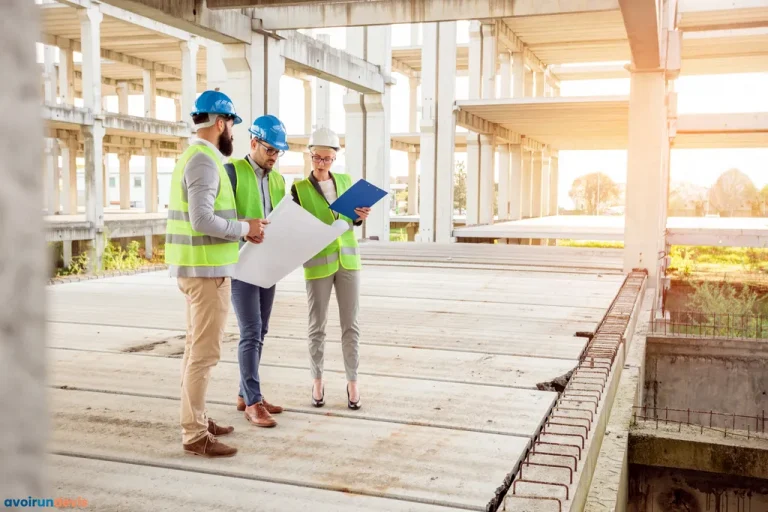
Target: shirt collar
{"x":260,"y":173}
{"x":198,"y":140}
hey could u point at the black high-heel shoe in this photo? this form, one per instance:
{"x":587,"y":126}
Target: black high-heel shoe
{"x":315,"y":402}
{"x":350,"y":403}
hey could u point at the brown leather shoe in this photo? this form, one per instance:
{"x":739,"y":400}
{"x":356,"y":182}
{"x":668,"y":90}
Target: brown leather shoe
{"x":258,"y":415}
{"x":271,"y":409}
{"x":209,"y":446}
{"x":218,"y":430}
{"x":240,"y":404}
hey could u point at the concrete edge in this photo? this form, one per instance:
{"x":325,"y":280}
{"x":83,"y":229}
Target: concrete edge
{"x":103,"y":275}
{"x":609,"y":485}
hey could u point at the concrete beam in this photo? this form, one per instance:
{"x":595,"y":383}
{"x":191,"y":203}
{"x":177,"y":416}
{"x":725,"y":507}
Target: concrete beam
{"x":641,"y":19}
{"x":68,"y":115}
{"x":319,"y":15}
{"x":146,"y":126}
{"x":319,"y":59}
{"x":132,"y":86}
{"x":480,"y":125}
{"x":194,"y":17}
{"x":699,"y":15}
{"x":723,"y":123}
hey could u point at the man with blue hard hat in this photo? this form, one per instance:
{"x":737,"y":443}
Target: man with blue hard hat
{"x":201,"y":251}
{"x":258,"y":188}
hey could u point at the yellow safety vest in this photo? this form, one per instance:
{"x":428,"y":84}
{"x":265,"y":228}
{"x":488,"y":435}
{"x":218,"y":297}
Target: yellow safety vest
{"x":247,"y":196}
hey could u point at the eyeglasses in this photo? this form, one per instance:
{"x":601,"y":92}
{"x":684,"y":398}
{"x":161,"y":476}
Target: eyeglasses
{"x":270,"y":151}
{"x":327,"y":160}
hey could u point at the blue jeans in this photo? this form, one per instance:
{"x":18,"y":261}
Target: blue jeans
{"x":252,"y":305}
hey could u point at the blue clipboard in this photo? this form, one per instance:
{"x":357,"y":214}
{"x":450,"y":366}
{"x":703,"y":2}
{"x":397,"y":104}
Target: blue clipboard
{"x":360,"y":195}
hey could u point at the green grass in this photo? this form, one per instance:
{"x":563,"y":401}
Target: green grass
{"x":397,"y":235}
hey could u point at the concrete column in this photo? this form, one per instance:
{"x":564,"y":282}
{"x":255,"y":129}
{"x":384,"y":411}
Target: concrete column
{"x":105,"y":177}
{"x":506,"y":74}
{"x":490,"y":55}
{"x":415,"y":32}
{"x":487,"y":160}
{"x":69,"y":149}
{"x":229,"y":67}
{"x":643,"y":233}
{"x":150,"y":94}
{"x":122,"y":98}
{"x":267,"y":65}
{"x":66,"y":76}
{"x":413,"y":183}
{"x":528,"y":90}
{"x":94,"y":189}
{"x":307,"y":107}
{"x":437,"y":132}
{"x":354,"y":145}
{"x":25,"y":267}
{"x":90,"y":36}
{"x":150,"y":178}
{"x":49,"y":76}
{"x":518,"y":75}
{"x":515,"y":181}
{"x":323,"y":95}
{"x":413,"y":106}
{"x":148,"y":246}
{"x":475,"y":60}
{"x":66,"y":252}
{"x":473,"y":179}
{"x":527,"y":180}
{"x":536,"y":184}
{"x":52,"y":187}
{"x":545,"y":182}
{"x":377,"y":131}
{"x":554,"y":183}
{"x":539,"y":84}
{"x":504,"y":183}
{"x":189,"y":77}
{"x":125,"y":180}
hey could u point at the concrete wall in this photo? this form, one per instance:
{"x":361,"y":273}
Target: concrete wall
{"x":707,"y":374}
{"x":665,"y":490}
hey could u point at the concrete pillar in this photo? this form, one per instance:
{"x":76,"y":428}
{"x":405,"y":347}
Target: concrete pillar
{"x":229,"y":67}
{"x":307,"y":106}
{"x":377,"y":131}
{"x":536,"y":184}
{"x":490,"y":55}
{"x":473,"y":179}
{"x":189,"y":77}
{"x":413,"y":183}
{"x":49,"y":74}
{"x":528,"y":90}
{"x":148,"y":246}
{"x":66,"y":76}
{"x":504,"y":183}
{"x":538,"y":84}
{"x":122,"y":98}
{"x":515,"y":181}
{"x":52,"y":187}
{"x":438,"y":131}
{"x":415,"y":32}
{"x":69,"y":149}
{"x":487,"y":182}
{"x":125,"y":180}
{"x":506,"y":75}
{"x":323,"y":95}
{"x":90,"y":36}
{"x":545,"y":182}
{"x":475,"y":60}
{"x":354,"y":145}
{"x":527,"y":180}
{"x":413,"y":106}
{"x":150,"y":178}
{"x":105,"y":178}
{"x":66,"y":252}
{"x":554,"y":183}
{"x":643,"y":232}
{"x":94,"y":189}
{"x":518,"y":75}
{"x":267,"y":65}
{"x":179,"y":115}
{"x":25,"y":267}
{"x":150,"y":94}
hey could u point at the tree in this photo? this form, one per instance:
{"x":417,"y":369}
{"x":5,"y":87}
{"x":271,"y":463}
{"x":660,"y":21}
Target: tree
{"x":594,"y":191}
{"x":733,"y":191}
{"x":460,"y":188}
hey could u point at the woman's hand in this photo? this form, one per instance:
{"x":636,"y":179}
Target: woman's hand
{"x":363,"y":212}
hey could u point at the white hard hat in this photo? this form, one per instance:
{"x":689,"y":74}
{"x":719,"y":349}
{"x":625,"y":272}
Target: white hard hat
{"x":324,"y":137}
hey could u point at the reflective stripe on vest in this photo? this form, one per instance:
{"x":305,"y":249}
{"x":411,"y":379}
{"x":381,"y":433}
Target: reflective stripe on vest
{"x":189,"y":248}
{"x":343,"y":250}
{"x":247,"y":194}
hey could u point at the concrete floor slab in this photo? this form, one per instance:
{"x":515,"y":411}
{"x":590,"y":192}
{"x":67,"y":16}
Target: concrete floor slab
{"x":377,"y":360}
{"x":416,"y":463}
{"x":109,"y":485}
{"x":401,"y":400}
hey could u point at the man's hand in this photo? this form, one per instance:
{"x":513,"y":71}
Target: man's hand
{"x":256,"y":228}
{"x":255,"y":239}
{"x":363,"y":213}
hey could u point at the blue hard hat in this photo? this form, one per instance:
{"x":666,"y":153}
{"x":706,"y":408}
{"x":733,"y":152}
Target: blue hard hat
{"x":271,"y":130}
{"x":215,"y":102}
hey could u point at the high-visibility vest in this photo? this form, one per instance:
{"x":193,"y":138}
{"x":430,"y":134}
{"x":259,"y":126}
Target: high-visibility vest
{"x":247,"y":195}
{"x":184,"y":246}
{"x":344,"y":249}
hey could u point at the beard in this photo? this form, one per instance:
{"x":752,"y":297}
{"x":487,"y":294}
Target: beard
{"x":225,"y":143}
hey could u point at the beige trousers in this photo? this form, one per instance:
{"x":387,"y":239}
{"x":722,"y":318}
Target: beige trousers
{"x":207,"y":308}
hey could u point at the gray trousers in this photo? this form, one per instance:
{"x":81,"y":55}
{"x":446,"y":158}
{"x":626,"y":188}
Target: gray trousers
{"x":347,"y":286}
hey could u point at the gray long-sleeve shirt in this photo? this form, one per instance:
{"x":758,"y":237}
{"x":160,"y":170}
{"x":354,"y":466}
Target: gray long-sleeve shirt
{"x":200,"y":185}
